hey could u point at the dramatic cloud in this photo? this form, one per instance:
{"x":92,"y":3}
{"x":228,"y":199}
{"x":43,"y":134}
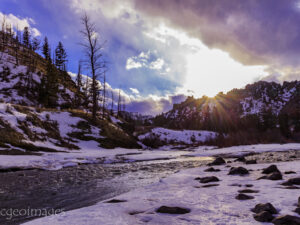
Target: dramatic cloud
{"x":253,"y":32}
{"x":147,"y":60}
{"x":154,"y":105}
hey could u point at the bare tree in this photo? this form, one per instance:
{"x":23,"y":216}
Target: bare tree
{"x":112,"y":103}
{"x":94,"y":57}
{"x":104,"y":94}
{"x":119,"y":103}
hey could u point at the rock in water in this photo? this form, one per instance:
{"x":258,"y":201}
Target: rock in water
{"x":244,"y":197}
{"x":238,"y":171}
{"x":264,"y":216}
{"x":217,"y":162}
{"x":264,"y":207}
{"x":286,"y":220}
{"x":271,"y":169}
{"x":172,"y":210}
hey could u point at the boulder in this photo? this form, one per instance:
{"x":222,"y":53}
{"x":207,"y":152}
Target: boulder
{"x":251,"y":161}
{"x":297,"y":210}
{"x":116,"y":201}
{"x":270,"y":169}
{"x":172,"y":210}
{"x":238,"y":171}
{"x":217,"y":162}
{"x":289,"y":172}
{"x":243,"y":197}
{"x":248,"y":191}
{"x":272,"y":176}
{"x":264,"y":207}
{"x":286,"y":220}
{"x":292,"y":181}
{"x":211,"y":169}
{"x":207,"y":179}
{"x":263,"y":216}
{"x":240,"y":159}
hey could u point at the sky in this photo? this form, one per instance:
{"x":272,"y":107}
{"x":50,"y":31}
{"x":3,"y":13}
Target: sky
{"x":159,"y":52}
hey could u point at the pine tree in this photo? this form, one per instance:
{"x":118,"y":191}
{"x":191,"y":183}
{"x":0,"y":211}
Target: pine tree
{"x":26,"y":37}
{"x":35,"y":44}
{"x":60,"y":57}
{"x":46,"y":49}
{"x":49,"y":87}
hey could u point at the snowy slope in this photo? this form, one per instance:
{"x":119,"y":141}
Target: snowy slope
{"x":15,"y":80}
{"x":178,"y":136}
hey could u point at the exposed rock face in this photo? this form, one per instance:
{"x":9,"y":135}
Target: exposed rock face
{"x":172,"y":210}
{"x":238,"y":171}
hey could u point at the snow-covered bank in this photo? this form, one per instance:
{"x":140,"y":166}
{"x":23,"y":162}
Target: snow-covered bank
{"x":91,"y":153}
{"x":178,"y":136}
{"x":244,"y":149}
{"x":210,"y":205}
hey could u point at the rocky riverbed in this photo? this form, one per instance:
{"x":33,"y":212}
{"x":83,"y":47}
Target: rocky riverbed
{"x":84,"y":185}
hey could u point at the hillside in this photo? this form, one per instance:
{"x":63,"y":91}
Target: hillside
{"x":262,"y":106}
{"x":38,"y":116}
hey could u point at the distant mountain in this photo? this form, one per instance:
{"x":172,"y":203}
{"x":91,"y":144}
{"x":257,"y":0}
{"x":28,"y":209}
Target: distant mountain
{"x":261,"y":106}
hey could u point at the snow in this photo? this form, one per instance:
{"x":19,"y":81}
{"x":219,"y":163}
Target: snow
{"x":245,"y":149}
{"x":179,"y":136}
{"x":213,"y":205}
{"x":64,"y":120}
{"x":115,"y":120}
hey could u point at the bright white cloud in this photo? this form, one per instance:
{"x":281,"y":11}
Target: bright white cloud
{"x":157,"y":64}
{"x":132,"y":64}
{"x":134,"y":91}
{"x":147,"y":60}
{"x":18,"y":23}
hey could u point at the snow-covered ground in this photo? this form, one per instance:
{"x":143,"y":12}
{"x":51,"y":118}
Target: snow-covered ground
{"x":179,"y":136}
{"x":90,"y":152}
{"x":210,"y":205}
